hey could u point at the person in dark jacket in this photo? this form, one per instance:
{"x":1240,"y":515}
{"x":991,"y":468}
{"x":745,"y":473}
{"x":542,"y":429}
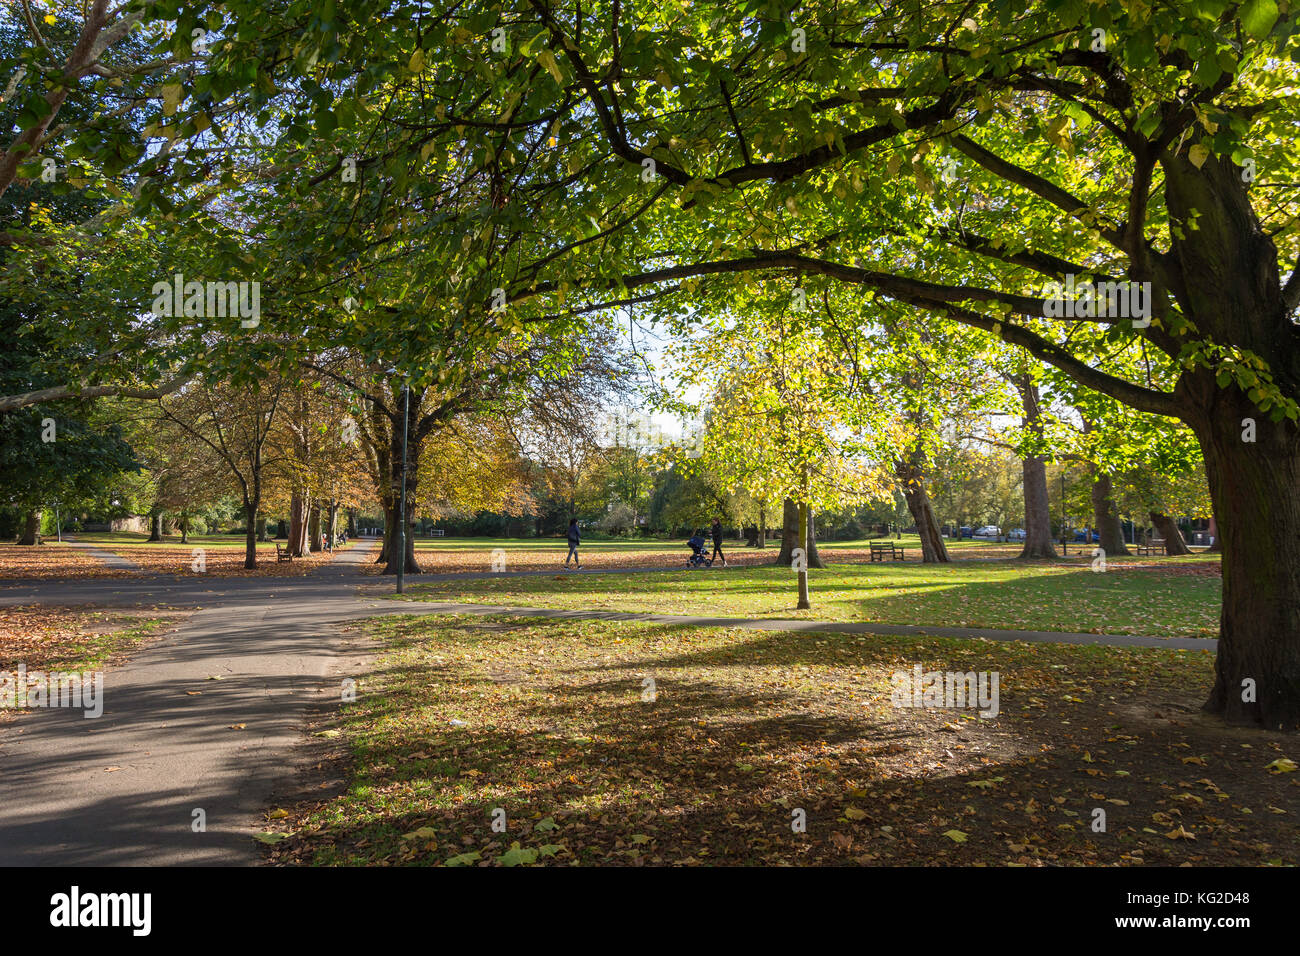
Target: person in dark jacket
{"x":574,"y":540}
{"x":717,"y":542}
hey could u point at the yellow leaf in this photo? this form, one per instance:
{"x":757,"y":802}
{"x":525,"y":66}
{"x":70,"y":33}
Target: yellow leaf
{"x":417,"y":61}
{"x":1282,"y":765}
{"x":171,"y":94}
{"x":956,"y":836}
{"x":279,"y":813}
{"x":547,"y":59}
{"x":853,"y":813}
{"x":1198,"y":154}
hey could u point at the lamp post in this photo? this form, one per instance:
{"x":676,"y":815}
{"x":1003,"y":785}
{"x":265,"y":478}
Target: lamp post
{"x":401,"y":513}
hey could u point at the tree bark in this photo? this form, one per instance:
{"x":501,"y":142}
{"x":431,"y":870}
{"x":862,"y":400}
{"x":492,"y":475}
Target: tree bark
{"x":1167,"y":528}
{"x":261,"y":529}
{"x":810,"y":542}
{"x":185,"y":528}
{"x":1256,"y":493}
{"x":314,"y":528}
{"x":804,"y":528}
{"x":1105,"y":515}
{"x":250,"y":536}
{"x":298,"y":507}
{"x":789,"y":532}
{"x":413,"y":449}
{"x":1038,"y":516}
{"x":155,"y":525}
{"x":908,"y":473}
{"x":32,"y":528}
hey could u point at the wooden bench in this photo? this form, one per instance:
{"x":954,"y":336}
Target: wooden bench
{"x":1154,"y":546}
{"x":282,"y":554}
{"x":893,"y":551}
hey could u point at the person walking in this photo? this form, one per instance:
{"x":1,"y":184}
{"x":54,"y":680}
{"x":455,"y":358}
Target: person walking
{"x":575,"y":538}
{"x":717,"y":542}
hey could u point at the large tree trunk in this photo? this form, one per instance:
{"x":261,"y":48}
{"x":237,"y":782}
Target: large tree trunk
{"x":805,"y":527}
{"x":297,"y":543}
{"x":413,"y":448}
{"x":352,"y":522}
{"x":314,"y":529}
{"x":250,"y":536}
{"x":762,"y":526}
{"x":789,"y":532}
{"x":1038,"y":515}
{"x":185,"y":528}
{"x":1256,"y":492}
{"x":810,"y":543}
{"x":155,"y":525}
{"x":31,"y":528}
{"x":1105,"y":515}
{"x":1232,"y":291}
{"x":1167,"y":528}
{"x":261,"y":530}
{"x":908,"y":473}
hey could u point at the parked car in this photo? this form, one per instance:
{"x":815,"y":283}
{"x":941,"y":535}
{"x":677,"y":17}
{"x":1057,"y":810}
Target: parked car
{"x":1017,"y":534}
{"x":964,"y":532}
{"x":988,"y":531}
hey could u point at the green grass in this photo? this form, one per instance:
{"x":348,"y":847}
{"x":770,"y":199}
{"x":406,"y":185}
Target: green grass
{"x":1163,"y":600}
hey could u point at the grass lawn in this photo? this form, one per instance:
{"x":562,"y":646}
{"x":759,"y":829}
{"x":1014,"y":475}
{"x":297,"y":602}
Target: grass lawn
{"x":1162,"y":597}
{"x":550,"y":722}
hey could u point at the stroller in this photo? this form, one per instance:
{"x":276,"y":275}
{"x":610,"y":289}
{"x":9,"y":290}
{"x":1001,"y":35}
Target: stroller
{"x":697,"y":558}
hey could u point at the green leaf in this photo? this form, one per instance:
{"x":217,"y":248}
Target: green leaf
{"x":465,"y":859}
{"x":1258,"y":17}
{"x":516,"y":856}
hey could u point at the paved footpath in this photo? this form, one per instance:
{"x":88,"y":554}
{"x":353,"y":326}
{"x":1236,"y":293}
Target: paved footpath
{"x":123,"y":788}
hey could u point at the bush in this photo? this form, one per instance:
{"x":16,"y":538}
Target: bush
{"x":617,"y":520}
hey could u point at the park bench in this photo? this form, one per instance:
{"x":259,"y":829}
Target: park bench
{"x":438,"y":533}
{"x":893,"y":551}
{"x":282,"y":553}
{"x":1154,"y":546}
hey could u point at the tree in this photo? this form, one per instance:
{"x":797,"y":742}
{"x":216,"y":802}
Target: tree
{"x":776,"y":426}
{"x":235,"y":422}
{"x":1125,"y":156}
